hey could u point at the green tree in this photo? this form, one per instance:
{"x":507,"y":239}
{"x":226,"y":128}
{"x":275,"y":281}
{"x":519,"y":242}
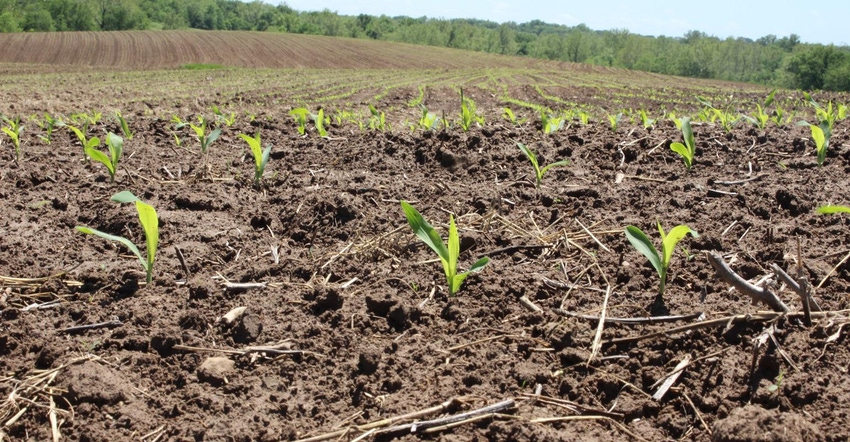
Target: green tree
{"x":809,"y":67}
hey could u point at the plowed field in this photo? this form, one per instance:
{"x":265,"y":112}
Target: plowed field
{"x":348,"y":332}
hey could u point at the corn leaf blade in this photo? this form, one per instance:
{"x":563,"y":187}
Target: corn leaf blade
{"x":126,"y":242}
{"x":642,"y":244}
{"x":828,"y":210}
{"x":425,"y":231}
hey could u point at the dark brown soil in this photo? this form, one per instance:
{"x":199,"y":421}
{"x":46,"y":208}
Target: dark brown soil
{"x":360,"y":306}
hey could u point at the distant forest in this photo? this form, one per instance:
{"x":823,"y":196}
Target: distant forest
{"x":770,"y":60}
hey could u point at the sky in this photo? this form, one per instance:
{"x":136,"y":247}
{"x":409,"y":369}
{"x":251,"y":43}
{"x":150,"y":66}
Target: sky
{"x":823,"y":21}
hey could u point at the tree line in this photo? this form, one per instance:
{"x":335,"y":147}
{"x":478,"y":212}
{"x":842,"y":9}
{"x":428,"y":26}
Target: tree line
{"x":770,"y":60}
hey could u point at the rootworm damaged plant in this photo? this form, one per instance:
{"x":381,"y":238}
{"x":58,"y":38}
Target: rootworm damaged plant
{"x":150,"y":225}
{"x":659,"y":261}
{"x":448,"y":253}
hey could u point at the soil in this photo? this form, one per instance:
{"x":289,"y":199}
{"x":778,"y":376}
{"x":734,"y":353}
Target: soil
{"x":356,"y":307}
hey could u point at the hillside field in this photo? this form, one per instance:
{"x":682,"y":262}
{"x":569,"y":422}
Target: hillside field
{"x":341,"y":324}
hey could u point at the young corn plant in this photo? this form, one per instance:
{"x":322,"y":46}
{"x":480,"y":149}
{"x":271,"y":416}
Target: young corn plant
{"x":538,"y":171}
{"x":584,"y":117}
{"x":48,"y":125}
{"x":468,"y":114}
{"x":428,"y":120}
{"x":300,"y":115}
{"x":614,"y":121}
{"x":448,"y":253}
{"x":645,"y":120}
{"x":14,"y":132}
{"x":87,"y":143}
{"x":687,"y":150}
{"x":319,"y":121}
{"x":111,"y":158}
{"x":125,"y":127}
{"x":759,"y":119}
{"x":86,"y":120}
{"x":508,"y":114}
{"x":261,"y":156}
{"x":221,"y":117}
{"x":204,"y":138}
{"x":150,"y":226}
{"x":378,"y":121}
{"x":660,"y":261}
{"x":725,"y":116}
{"x":550,"y":123}
{"x":821,"y":139}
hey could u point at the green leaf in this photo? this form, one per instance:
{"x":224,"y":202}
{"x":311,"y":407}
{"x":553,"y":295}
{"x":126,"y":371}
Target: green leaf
{"x":828,"y":210}
{"x":101,"y":158}
{"x":116,"y":238}
{"x":124,"y":197}
{"x":643,"y":245}
{"x":671,"y":239}
{"x":688,"y":134}
{"x":454,"y":254}
{"x":150,"y":224}
{"x":770,"y":97}
{"x":92,"y":143}
{"x":555,"y":164}
{"x":425,"y":231}
{"x":682,"y":150}
{"x":213,"y":136}
{"x":479,"y":265}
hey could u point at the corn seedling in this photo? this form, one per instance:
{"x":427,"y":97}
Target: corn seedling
{"x":508,"y":114}
{"x":87,"y":143}
{"x":687,"y":150}
{"x":48,"y":125}
{"x":538,"y":171}
{"x":584,"y":117}
{"x":659,"y":261}
{"x":378,"y":121}
{"x":759,"y":119}
{"x":86,"y":120}
{"x":125,"y":128}
{"x":614,"y":121}
{"x":725,"y":116}
{"x":14,"y":132}
{"x":300,"y":116}
{"x":319,"y":121}
{"x":645,"y":120}
{"x":204,"y":139}
{"x":468,"y":115}
{"x":428,"y":120}
{"x":550,"y":123}
{"x":150,"y":225}
{"x":261,"y":156}
{"x":221,"y":117}
{"x":821,"y":139}
{"x":778,"y":117}
{"x":110,"y":160}
{"x":448,"y":253}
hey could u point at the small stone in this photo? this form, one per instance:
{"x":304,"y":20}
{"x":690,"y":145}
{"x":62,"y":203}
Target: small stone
{"x":214,"y":370}
{"x":248,"y":329}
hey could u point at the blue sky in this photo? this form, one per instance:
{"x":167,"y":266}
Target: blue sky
{"x":824,"y":21}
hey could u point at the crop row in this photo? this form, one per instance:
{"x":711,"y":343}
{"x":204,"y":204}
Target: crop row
{"x":205,"y":130}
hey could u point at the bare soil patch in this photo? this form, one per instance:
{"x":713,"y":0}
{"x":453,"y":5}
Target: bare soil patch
{"x":352,"y":310}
